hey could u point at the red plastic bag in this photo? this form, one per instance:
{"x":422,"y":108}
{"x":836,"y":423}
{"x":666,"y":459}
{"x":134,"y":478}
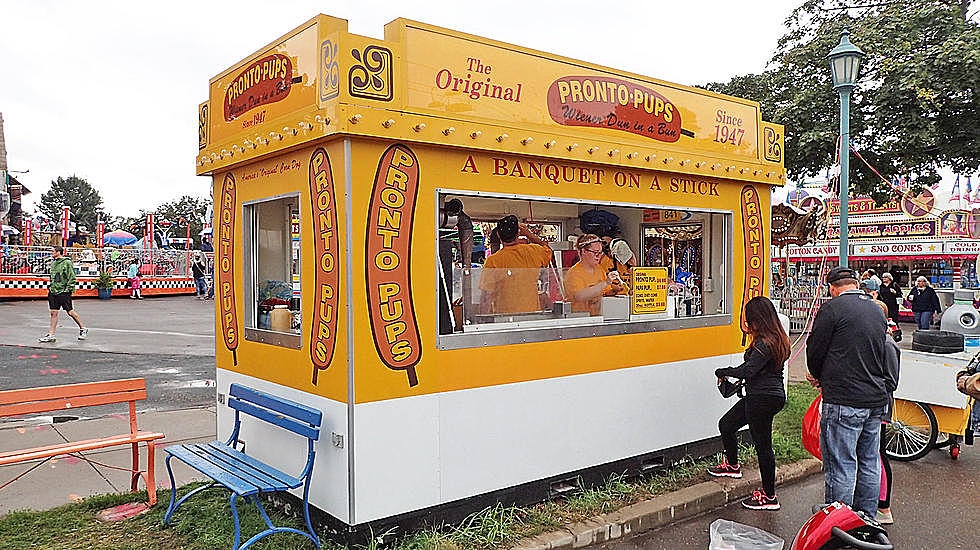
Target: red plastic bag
{"x":811,"y":428}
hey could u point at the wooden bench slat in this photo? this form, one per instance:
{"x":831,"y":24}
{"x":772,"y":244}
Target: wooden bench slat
{"x":280,"y":405}
{"x":24,"y":455}
{"x":290,"y":481}
{"x":60,"y":404}
{"x":240,"y":469}
{"x":24,"y":395}
{"x":212,"y":470}
{"x":275,"y":419}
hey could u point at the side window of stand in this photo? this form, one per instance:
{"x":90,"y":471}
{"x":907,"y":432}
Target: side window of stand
{"x":272,"y":271}
{"x":525,"y":273}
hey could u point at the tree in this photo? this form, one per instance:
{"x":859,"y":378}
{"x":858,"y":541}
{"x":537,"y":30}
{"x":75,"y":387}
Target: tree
{"x":76,"y":193}
{"x":191,"y":209}
{"x":916,"y":105}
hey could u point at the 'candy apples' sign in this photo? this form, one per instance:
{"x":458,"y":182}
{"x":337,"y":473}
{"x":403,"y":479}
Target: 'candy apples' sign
{"x":602,"y":102}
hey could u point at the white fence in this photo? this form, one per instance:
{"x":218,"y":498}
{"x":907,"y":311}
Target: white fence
{"x":36,"y":261}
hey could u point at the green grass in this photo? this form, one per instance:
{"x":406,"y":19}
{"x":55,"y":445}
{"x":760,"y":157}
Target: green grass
{"x":204,"y":522}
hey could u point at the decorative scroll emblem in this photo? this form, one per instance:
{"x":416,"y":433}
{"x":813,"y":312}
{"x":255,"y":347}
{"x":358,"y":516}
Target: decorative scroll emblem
{"x":228,"y":306}
{"x":329,"y":71}
{"x":774,"y":151}
{"x":323,"y":329}
{"x":203,"y":117}
{"x":755,"y":275}
{"x":371,"y":76}
{"x":388,"y":261}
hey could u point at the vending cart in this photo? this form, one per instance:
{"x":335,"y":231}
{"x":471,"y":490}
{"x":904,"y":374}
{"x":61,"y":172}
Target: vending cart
{"x":360,"y":184}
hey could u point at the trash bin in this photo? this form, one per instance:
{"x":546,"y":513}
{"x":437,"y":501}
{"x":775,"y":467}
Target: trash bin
{"x":729,"y":535}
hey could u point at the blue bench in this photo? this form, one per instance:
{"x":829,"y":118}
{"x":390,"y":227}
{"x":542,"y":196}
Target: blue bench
{"x":243,"y":475}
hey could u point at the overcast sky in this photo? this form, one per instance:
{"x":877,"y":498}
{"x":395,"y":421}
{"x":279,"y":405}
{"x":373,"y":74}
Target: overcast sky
{"x":108,"y":91}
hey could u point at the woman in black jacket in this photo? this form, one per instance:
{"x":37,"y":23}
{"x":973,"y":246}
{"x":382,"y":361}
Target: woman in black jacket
{"x":925,"y":302}
{"x":891,"y":294}
{"x":762,"y":370}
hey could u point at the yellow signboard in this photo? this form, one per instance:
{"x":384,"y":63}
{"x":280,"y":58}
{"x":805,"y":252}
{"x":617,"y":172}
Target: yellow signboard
{"x":265,"y":87}
{"x":649,"y":290}
{"x":468,"y":76}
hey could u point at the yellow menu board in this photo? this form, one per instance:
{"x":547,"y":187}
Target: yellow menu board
{"x":649,"y":290}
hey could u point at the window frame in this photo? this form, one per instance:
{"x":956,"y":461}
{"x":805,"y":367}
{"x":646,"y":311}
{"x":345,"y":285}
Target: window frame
{"x":249,"y":274}
{"x":509,"y":336}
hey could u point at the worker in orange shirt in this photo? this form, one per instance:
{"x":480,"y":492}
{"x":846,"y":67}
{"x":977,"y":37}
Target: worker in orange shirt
{"x":509,"y":279}
{"x":618,"y":257}
{"x":587,"y":281}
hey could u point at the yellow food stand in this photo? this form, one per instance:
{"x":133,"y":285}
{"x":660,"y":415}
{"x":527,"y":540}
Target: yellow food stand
{"x":344,"y":167}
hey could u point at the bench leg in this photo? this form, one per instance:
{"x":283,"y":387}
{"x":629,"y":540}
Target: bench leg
{"x":173,"y":493}
{"x":234,"y":515}
{"x":273,"y":529}
{"x":134,"y":482}
{"x":151,"y":479}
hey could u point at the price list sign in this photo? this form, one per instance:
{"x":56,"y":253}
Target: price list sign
{"x":649,"y":290}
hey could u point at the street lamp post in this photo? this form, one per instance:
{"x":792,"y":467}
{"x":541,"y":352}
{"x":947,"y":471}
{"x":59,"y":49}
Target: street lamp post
{"x":845,"y":61}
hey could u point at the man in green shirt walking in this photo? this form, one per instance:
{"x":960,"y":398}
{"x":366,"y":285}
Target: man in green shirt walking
{"x":59,"y":293}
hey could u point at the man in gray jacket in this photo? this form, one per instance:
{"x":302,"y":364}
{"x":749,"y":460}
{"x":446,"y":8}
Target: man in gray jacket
{"x":846,"y":358}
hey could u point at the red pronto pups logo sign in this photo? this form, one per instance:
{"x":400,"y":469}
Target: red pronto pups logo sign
{"x":601,"y":102}
{"x":264,"y":81}
{"x":323,"y":329}
{"x":753,"y":235}
{"x":388,"y":269}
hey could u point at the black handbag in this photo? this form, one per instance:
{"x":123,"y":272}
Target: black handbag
{"x":729,"y":388}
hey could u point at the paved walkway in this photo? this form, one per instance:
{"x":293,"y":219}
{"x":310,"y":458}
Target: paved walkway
{"x":172,"y":324}
{"x":167,"y":340}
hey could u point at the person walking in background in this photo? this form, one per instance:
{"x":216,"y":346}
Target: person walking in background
{"x":762,"y":370}
{"x":846,"y":358}
{"x":200,"y":276}
{"x":893,"y":357}
{"x":924,"y":302}
{"x":62,"y":285}
{"x":891,"y":294}
{"x":134,"y":280}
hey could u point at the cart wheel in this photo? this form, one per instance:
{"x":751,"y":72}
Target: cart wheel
{"x":912,"y":432}
{"x":954,"y":451}
{"x":942,"y":440}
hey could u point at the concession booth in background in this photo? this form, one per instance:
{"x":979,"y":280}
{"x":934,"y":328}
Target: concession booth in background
{"x":357,"y":184}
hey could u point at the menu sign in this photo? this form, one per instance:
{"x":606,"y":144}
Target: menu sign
{"x":649,"y":290}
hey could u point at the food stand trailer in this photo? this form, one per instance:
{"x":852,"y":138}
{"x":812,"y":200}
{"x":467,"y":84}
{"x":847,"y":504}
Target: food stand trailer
{"x":333,"y":157}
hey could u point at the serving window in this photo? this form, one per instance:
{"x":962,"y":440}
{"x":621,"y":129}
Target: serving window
{"x":272,"y":271}
{"x":577,"y":269}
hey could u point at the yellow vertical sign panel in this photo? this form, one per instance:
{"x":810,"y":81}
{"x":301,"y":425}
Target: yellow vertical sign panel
{"x":649,"y":290}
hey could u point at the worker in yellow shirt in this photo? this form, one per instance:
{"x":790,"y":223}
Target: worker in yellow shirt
{"x":587,"y":281}
{"x":617,"y":256}
{"x":509,"y":279}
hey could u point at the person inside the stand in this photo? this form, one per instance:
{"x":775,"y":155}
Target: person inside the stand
{"x":494,"y":241}
{"x":891,"y":294}
{"x":924,"y":302}
{"x":509,"y":280}
{"x":623,"y":262}
{"x":587,"y":281}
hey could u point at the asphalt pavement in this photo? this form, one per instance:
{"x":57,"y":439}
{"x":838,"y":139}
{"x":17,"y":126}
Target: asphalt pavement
{"x":169,"y":341}
{"x":935,"y":503}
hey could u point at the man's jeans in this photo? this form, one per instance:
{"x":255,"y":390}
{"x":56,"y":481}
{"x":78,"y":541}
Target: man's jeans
{"x":923,"y":319}
{"x":849,"y":445}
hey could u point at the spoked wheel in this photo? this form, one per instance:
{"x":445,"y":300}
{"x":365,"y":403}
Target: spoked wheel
{"x":912,"y":432}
